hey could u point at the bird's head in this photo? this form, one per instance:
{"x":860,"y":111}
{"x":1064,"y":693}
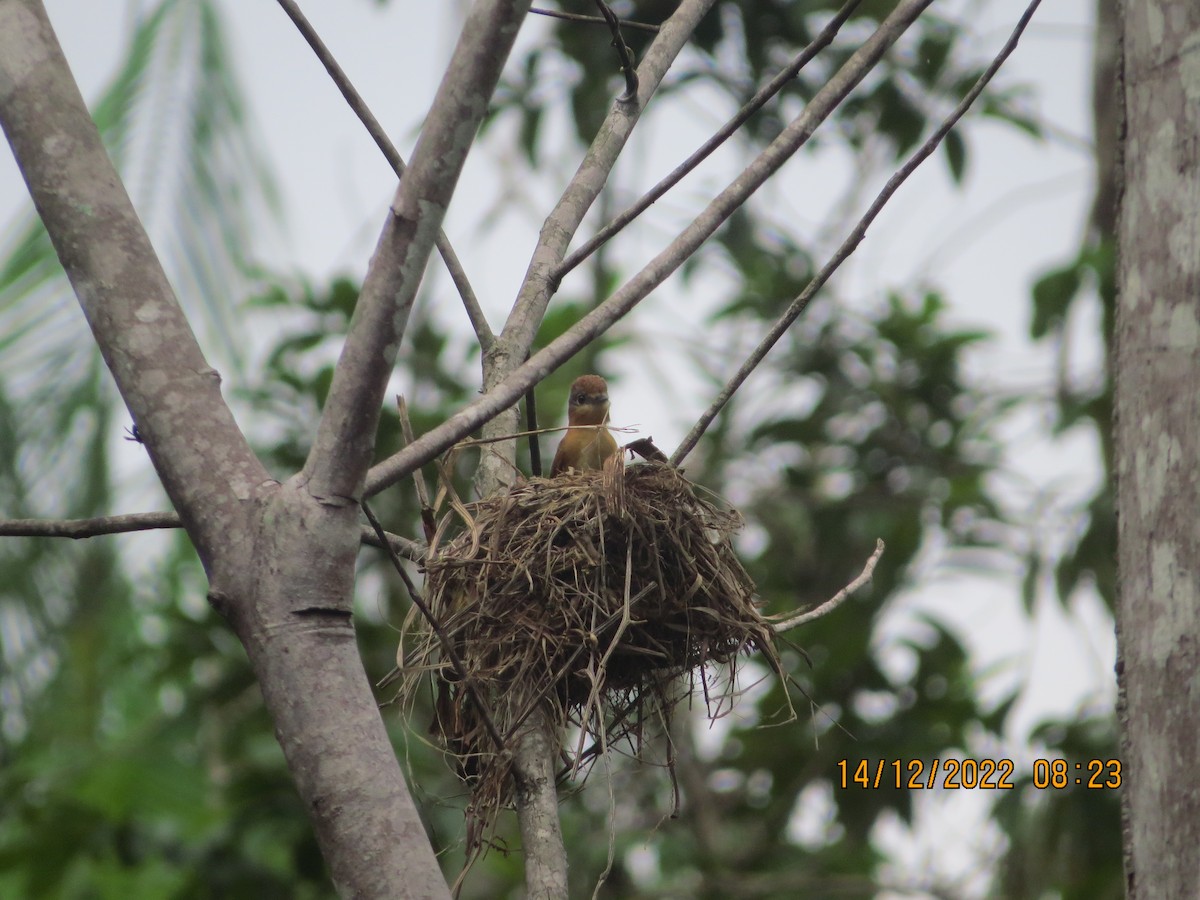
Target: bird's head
{"x":588,"y":404}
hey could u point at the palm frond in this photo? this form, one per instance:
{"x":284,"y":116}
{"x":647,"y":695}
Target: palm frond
{"x":175,"y":124}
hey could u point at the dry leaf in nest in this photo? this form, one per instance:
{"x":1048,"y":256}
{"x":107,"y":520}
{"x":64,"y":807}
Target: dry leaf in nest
{"x":589,"y":594}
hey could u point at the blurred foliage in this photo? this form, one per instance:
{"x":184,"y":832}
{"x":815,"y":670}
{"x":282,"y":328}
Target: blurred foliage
{"x":1070,"y":838}
{"x":148,"y":767}
{"x":135,"y":757}
{"x":57,"y":403}
{"x":1089,"y":276}
{"x":739,"y":46}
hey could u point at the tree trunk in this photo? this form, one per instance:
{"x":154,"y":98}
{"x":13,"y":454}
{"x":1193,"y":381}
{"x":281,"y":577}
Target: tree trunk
{"x":280,"y":558}
{"x":1158,"y":448}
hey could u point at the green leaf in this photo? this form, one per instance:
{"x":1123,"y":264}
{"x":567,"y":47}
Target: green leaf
{"x":1052,"y":296}
{"x":955,"y":149}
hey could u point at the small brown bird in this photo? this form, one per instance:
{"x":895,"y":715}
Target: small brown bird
{"x":585,"y":448}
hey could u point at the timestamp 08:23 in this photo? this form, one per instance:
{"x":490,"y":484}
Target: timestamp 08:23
{"x":976,"y":774}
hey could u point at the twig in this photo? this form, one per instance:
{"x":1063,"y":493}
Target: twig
{"x":623,"y":53}
{"x":506,"y":392}
{"x":531,"y":427}
{"x":592,"y":20}
{"x":85,"y":528}
{"x":837,"y":599}
{"x":428,"y":525}
{"x":77,"y":529}
{"x":407,"y":431}
{"x":460,"y":668}
{"x":409,"y":549}
{"x":706,"y":149}
{"x":850,"y":244}
{"x":550,"y":429}
{"x":358,"y":106}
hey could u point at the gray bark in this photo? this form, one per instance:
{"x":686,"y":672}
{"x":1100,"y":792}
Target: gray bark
{"x":1158,"y":447}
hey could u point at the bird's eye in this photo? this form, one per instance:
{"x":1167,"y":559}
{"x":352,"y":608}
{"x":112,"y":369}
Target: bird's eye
{"x":579,"y":398}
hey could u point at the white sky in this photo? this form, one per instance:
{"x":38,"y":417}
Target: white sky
{"x":1021,"y":211}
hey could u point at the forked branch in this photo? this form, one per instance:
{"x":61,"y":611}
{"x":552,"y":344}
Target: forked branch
{"x":589,"y":179}
{"x":850,"y":244}
{"x":358,"y":106}
{"x":753,"y":105}
{"x":623,"y":53}
{"x":345,"y":439}
{"x":505,"y":392}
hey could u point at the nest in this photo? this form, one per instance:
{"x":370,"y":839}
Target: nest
{"x":586,"y":596}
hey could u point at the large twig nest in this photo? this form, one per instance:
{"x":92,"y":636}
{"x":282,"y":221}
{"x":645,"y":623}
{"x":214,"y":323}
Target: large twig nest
{"x":588,"y":594}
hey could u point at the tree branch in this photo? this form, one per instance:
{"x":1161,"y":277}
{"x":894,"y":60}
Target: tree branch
{"x":358,"y":106}
{"x":345,"y":439}
{"x":592,"y":20}
{"x":850,"y":244}
{"x":280,"y":562}
{"x":757,"y":102}
{"x":401,"y":546}
{"x":536,"y":797}
{"x":170,"y":389}
{"x":589,"y":179}
{"x":504,"y":393}
{"x":516,"y":339}
{"x":837,"y":599}
{"x":293,"y":611}
{"x":623,"y":53}
{"x":86,"y":528}
{"x":77,"y":529}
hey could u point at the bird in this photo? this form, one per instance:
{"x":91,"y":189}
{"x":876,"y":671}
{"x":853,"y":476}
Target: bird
{"x":586,"y":445}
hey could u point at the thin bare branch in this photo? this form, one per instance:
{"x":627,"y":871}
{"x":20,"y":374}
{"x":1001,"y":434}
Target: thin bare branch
{"x":403,"y":547}
{"x":86,"y":528}
{"x":752,"y":106}
{"x":550,"y":429}
{"x":406,"y":430}
{"x":505,"y":392}
{"x":623,"y":53}
{"x":77,"y":529}
{"x":531,"y":428}
{"x":170,"y":389}
{"x":837,"y":599}
{"x":483,"y":331}
{"x":345,"y":439}
{"x":592,"y":20}
{"x":496,"y":470}
{"x":428,"y":523}
{"x":850,"y":244}
{"x":589,"y":179}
